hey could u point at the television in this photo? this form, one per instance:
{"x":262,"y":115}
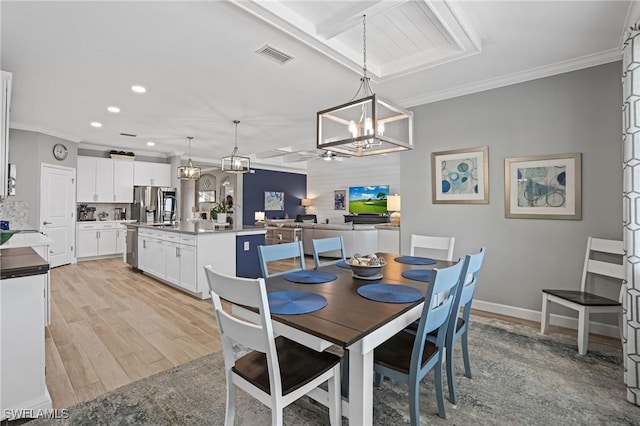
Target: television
{"x":368,"y":199}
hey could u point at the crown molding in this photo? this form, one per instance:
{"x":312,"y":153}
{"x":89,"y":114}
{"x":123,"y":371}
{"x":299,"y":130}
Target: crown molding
{"x":515,"y":78}
{"x":46,"y":131}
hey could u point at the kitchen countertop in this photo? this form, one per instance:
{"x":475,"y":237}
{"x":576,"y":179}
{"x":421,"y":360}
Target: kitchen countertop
{"x":27,"y":239}
{"x":21,"y":262}
{"x":200,"y":228}
{"x":106,"y":221}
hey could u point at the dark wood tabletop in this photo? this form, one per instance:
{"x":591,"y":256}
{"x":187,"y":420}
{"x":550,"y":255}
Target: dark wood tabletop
{"x":348,"y":317}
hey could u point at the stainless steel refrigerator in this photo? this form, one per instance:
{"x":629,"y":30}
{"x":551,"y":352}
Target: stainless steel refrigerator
{"x":154,"y":204}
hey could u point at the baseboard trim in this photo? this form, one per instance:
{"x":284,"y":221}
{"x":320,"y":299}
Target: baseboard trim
{"x":531,"y":315}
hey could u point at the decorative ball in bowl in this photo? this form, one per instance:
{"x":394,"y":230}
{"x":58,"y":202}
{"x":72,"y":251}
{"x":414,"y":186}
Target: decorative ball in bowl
{"x":367,"y":266}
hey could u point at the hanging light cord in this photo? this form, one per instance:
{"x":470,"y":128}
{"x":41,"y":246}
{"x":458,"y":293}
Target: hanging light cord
{"x":189,"y":137}
{"x":365,"y":85}
{"x":235,"y":144}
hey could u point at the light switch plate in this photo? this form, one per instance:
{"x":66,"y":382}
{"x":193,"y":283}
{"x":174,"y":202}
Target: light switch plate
{"x":246,"y":246}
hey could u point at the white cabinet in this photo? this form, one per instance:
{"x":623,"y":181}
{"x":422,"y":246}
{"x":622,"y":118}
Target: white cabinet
{"x":96,"y":239}
{"x":22,"y":342}
{"x":102,"y":180}
{"x":5,"y":102}
{"x":389,"y":239}
{"x":180,"y":256}
{"x":123,"y":181}
{"x":151,"y":174}
{"x":121,"y":238}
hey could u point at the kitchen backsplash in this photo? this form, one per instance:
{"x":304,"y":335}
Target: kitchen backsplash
{"x":16,"y":212}
{"x":108,"y":209}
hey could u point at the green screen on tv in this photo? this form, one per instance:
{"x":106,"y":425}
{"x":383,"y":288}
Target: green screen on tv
{"x":368,"y":199}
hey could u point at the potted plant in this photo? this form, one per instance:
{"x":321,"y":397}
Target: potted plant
{"x":219,"y":212}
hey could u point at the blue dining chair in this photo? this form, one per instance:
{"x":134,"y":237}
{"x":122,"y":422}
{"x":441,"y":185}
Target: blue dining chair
{"x":408,"y":357}
{"x":458,"y":327}
{"x":326,"y":245}
{"x":283,"y":251}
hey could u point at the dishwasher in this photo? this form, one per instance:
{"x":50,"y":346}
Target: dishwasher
{"x":132,"y":246}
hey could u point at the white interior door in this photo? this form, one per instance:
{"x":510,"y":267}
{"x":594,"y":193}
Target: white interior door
{"x":57,"y":211}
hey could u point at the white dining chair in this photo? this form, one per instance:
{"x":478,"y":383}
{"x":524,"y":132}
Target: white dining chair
{"x":277,"y":371}
{"x":440,"y":248}
{"x":586,"y":302}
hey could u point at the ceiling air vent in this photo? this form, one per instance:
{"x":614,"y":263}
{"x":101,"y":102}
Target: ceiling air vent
{"x":128,"y":134}
{"x":274,"y":54}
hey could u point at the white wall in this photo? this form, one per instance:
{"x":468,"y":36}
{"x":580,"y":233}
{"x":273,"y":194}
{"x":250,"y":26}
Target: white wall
{"x":323,"y":177}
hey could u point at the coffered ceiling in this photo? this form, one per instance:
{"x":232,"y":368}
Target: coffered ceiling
{"x":200,"y":66}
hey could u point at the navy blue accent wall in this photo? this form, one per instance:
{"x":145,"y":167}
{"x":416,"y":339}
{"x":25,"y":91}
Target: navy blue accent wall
{"x":294,"y":186}
{"x":248,"y":262}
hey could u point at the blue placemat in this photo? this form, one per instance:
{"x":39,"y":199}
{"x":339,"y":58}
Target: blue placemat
{"x":415,"y":260}
{"x":295,"y":302}
{"x":390,"y":293}
{"x":310,"y":277}
{"x":343,"y":264}
{"x":418,"y":274}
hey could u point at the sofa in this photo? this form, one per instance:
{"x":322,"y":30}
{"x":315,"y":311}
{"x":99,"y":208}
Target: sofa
{"x":357,"y":238}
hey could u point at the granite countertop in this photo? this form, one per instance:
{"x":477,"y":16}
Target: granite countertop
{"x":200,"y":228}
{"x":21,"y":262}
{"x":27,"y":239}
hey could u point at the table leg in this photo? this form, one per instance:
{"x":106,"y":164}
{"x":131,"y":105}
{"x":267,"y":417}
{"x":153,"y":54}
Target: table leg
{"x":360,"y":387}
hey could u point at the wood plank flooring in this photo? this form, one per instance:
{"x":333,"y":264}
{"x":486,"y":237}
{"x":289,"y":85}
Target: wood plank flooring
{"x":111,"y":326}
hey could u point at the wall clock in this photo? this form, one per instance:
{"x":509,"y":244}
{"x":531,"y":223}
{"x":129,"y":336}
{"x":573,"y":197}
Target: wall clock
{"x":60,"y":151}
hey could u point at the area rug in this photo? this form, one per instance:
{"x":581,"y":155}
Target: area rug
{"x":519,"y":378}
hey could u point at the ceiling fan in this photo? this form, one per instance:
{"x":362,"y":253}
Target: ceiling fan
{"x":332,"y":156}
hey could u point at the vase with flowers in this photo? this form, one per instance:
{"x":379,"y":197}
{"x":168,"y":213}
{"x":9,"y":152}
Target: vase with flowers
{"x":220,"y":211}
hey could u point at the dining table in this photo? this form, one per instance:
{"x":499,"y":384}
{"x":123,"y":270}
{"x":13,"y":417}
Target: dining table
{"x":351,"y":321}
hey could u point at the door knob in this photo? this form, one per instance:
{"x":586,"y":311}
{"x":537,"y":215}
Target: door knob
{"x":46,"y":223}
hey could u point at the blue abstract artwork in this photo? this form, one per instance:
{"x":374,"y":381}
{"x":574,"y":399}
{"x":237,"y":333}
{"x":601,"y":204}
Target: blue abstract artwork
{"x":542,"y":186}
{"x":460,"y":176}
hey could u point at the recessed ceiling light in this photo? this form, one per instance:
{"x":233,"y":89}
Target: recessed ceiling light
{"x":151,"y":143}
{"x":113,"y":109}
{"x":138,"y":89}
{"x":96,"y":124}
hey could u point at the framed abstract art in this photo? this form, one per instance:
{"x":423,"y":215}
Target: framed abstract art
{"x":543,"y":187}
{"x":460,"y":176}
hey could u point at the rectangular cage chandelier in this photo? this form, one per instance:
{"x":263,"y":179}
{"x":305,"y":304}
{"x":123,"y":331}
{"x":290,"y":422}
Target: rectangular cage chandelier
{"x":369,"y":125}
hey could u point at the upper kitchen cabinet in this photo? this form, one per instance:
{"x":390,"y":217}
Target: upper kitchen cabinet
{"x":123,"y":181}
{"x":151,"y":174}
{"x":102,"y":180}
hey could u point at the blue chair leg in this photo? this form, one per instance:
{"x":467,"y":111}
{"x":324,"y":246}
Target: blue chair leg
{"x":414,"y":403}
{"x":451,"y":376}
{"x":378,"y":379}
{"x":465,"y":355}
{"x":439,"y":393}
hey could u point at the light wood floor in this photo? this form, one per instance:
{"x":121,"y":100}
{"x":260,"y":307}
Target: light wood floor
{"x":111,"y":326}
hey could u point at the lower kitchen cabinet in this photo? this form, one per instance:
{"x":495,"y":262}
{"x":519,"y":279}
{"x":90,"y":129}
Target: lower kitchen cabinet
{"x":121,"y":238}
{"x":179,"y":258}
{"x":96,"y":239}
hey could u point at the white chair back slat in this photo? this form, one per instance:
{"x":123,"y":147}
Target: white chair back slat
{"x":436,"y":247}
{"x":242,"y":332}
{"x":607,"y":246}
{"x":607,"y":269}
{"x":231,"y":288}
{"x":601,"y":267}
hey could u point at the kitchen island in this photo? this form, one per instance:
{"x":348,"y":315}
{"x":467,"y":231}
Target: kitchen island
{"x":177,"y":254}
